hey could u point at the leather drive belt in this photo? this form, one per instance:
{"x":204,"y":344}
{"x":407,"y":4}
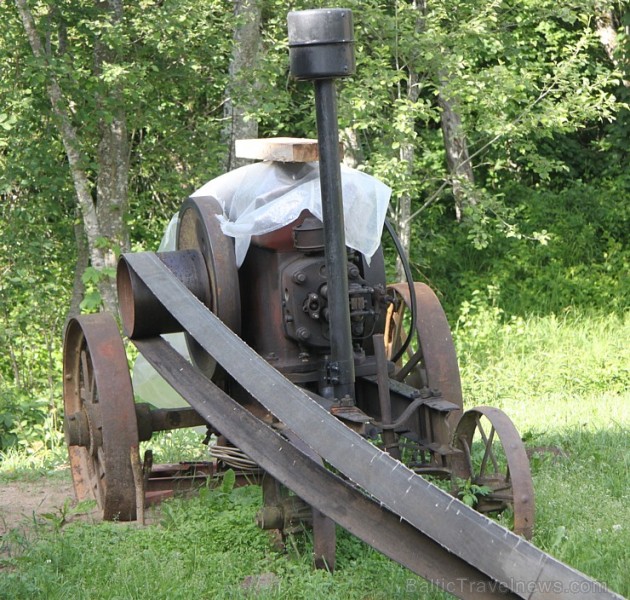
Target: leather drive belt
{"x":346,"y":505}
{"x":477,"y":540}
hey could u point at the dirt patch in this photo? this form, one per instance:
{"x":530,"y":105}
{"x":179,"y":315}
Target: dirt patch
{"x":22,"y":502}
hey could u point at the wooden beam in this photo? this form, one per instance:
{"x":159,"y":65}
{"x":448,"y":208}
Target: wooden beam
{"x":282,"y":149}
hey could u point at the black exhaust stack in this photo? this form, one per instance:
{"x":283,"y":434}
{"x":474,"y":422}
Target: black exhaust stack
{"x":321,"y":49}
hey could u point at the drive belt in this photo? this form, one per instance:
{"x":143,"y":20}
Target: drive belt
{"x":476,"y":540}
{"x":346,"y":505}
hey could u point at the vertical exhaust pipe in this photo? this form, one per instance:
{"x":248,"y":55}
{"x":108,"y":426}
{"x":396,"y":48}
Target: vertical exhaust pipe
{"x":321,"y":49}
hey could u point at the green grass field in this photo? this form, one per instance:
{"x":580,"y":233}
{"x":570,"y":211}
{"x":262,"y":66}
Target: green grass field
{"x":564,"y":381}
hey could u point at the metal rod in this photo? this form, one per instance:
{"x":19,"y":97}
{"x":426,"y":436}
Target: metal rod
{"x":342,"y":355}
{"x":384,"y":398}
{"x":165,"y":419}
{"x":152,"y":419}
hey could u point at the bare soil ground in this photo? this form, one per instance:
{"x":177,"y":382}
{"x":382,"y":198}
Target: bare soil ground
{"x":22,"y":502}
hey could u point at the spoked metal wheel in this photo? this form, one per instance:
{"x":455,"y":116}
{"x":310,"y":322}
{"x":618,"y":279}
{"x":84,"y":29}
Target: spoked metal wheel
{"x":493,"y":455}
{"x":430,"y":360}
{"x":100,"y":418}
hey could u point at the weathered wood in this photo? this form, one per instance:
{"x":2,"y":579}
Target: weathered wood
{"x":282,"y":149}
{"x":311,"y":481}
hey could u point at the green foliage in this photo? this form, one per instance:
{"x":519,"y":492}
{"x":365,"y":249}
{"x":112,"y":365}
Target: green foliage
{"x":469,"y":492}
{"x":542,"y":106}
{"x":536,"y":96}
{"x":21,"y":419}
{"x":179,"y":76}
{"x":597,"y":461}
{"x":573,"y":369}
{"x":59,"y":518}
{"x":583,"y":263}
{"x":176,"y":445}
{"x":173,"y":71}
{"x":33,"y":299}
{"x":564,"y":381}
{"x":91,"y":279}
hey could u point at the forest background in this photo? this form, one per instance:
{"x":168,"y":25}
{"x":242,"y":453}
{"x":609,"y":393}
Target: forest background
{"x":501,"y":126}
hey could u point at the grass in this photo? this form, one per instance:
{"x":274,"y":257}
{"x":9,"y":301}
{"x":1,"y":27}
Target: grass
{"x":564,"y":381}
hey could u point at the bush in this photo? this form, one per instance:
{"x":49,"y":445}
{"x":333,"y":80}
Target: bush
{"x":583,"y":265}
{"x":21,"y":418}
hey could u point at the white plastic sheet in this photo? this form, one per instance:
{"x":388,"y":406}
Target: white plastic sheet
{"x":261,"y":198}
{"x":266,"y":196}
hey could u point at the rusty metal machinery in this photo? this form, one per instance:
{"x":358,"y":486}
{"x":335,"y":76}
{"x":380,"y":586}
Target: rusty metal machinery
{"x":305,"y":358}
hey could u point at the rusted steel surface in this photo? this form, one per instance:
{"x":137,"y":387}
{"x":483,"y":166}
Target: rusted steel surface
{"x":389,"y":437}
{"x":178,"y":476}
{"x":511,"y":481}
{"x":165,"y":480}
{"x":152,"y":419}
{"x":97,"y":391}
{"x":199,"y":229}
{"x":431,"y":511}
{"x":142,"y":315}
{"x":437,"y":366}
{"x":264,"y":328}
{"x":338,"y":499}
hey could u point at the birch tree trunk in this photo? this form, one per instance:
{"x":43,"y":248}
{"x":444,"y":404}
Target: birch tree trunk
{"x":112,"y":159}
{"x":608,"y":31}
{"x":83,"y":260}
{"x":241,"y":90}
{"x":352,"y":149}
{"x":457,"y":157}
{"x":102,"y":206}
{"x":407,"y":157}
{"x":456,"y":148}
{"x":407,"y":150}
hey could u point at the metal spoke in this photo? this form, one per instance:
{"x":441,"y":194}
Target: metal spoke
{"x":488,"y":451}
{"x":83,"y":377}
{"x":413,"y":361}
{"x":468,"y":456}
{"x":485,"y":439}
{"x":511,"y":485}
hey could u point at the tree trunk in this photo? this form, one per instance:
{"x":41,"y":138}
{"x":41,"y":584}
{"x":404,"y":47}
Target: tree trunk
{"x":112,"y":160}
{"x":407,"y":157}
{"x":241,"y":90}
{"x":352,"y":150}
{"x":83,"y":260}
{"x":103,"y":219}
{"x":607,"y":29}
{"x":407,"y":151}
{"x":457,"y":157}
